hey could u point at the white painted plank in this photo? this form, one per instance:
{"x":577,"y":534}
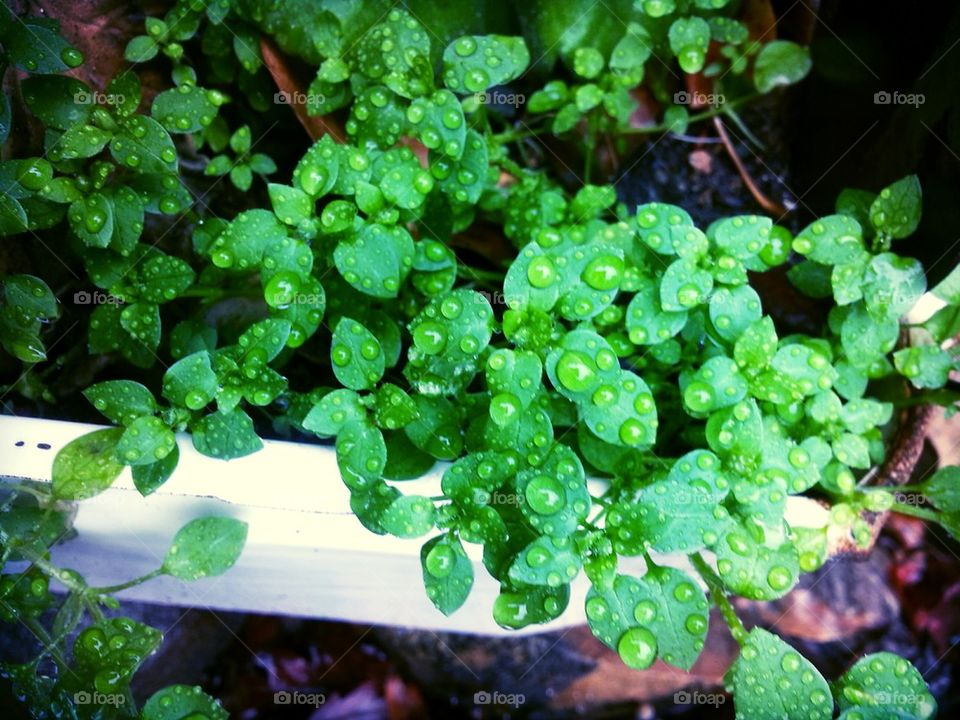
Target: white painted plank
{"x":306,"y":553}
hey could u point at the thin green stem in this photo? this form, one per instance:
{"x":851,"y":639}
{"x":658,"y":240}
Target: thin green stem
{"x":109,"y":589}
{"x":719,"y":595}
{"x":49,"y":644}
{"x":696,"y":117}
{"x":914,"y":511}
{"x":511,"y":167}
{"x":473,"y":273}
{"x":26,"y":489}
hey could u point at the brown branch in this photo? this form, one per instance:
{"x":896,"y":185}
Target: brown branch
{"x":287,"y":83}
{"x":770,"y":206}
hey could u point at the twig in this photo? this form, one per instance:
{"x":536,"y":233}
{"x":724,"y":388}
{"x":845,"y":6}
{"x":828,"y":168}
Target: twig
{"x":316,"y":126}
{"x":771,"y":206}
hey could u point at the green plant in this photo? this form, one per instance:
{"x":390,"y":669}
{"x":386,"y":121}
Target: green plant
{"x":629,"y":345}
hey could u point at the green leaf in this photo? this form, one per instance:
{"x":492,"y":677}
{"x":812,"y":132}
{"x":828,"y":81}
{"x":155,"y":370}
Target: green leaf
{"x":622,"y":412}
{"x":335,"y":410}
{"x":377,"y":260}
{"x":689,"y":38}
{"x":147,"y":478}
{"x":943,"y":489}
{"x":780,"y":62}
{"x":361,"y":454}
{"x":121,"y":401}
{"x":436,"y":430}
{"x":409,"y":516}
{"x":948,"y":289}
{"x":896,"y":210}
{"x":402,"y":181}
{"x":13,"y":218}
{"x":554,"y":496}
{"x":396,"y":52}
{"x":175,"y":702}
{"x":546,"y":561}
{"x":517,"y":608}
{"x":30,"y":297}
{"x":81,"y":141}
{"x":866,"y":338}
{"x":91,"y":220}
{"x":243,"y":243}
{"x":772,"y":681}
{"x":87,"y":466}
{"x":356,"y":356}
{"x":184,"y":109}
{"x":447,"y":573}
{"x":812,"y":279}
{"x":318,"y":169}
{"x":291,"y":205}
{"x":59,"y":101}
{"x":519,"y":373}
{"x":111,"y":649}
{"x":241,"y":176}
{"x":141,"y":320}
{"x":831,"y":240}
{"x":887,"y":683}
{"x":927,"y":366}
{"x":439,"y":124}
{"x":892,"y":285}
{"x":717,"y":384}
{"x":205,"y":547}
{"x":141,"y":49}
{"x":684,"y":286}
{"x":469,"y":481}
{"x":164,"y":278}
{"x":142,"y":145}
{"x":753,"y":570}
{"x":756,"y":346}
{"x":665,"y":602}
{"x":802,"y":370}
{"x":145,"y":441}
{"x":191,"y":382}
{"x":393,"y":408}
{"x":226,"y":435}
{"x":732,"y":312}
{"x":126,"y":92}
{"x":465,"y":181}
{"x":448,"y":337}
{"x":656,"y":223}
{"x":36,"y":47}
{"x":128,"y":212}
{"x":467,"y":67}
{"x":673,"y":513}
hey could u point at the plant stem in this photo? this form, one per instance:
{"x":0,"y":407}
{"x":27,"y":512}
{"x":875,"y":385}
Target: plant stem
{"x":696,"y":117}
{"x":914,"y":511}
{"x":108,"y":589}
{"x":479,"y":274}
{"x":719,"y":596}
{"x":49,"y":644}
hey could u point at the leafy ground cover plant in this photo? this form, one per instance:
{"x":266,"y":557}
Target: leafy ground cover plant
{"x":621,"y":343}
